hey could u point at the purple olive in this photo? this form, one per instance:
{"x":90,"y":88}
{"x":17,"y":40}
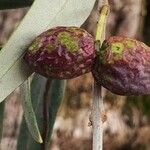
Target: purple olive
{"x":61,"y":53}
{"x":123,"y":66}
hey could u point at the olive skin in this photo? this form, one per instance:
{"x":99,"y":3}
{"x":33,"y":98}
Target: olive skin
{"x":61,"y":53}
{"x":122,"y":66}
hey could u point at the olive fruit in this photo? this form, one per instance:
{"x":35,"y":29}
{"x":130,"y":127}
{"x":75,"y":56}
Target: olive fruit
{"x":122,"y":66}
{"x":61,"y":53}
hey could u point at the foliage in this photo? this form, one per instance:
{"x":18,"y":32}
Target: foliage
{"x":41,"y":99}
{"x":13,"y":69}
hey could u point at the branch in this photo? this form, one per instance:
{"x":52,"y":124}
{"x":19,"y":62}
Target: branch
{"x":97,"y":107}
{"x":11,"y":4}
{"x":97,"y":123}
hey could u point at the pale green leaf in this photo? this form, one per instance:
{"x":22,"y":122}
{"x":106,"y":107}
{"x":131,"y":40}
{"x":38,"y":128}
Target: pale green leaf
{"x":42,"y":15}
{"x":23,"y":136}
{"x":25,"y":140}
{"x":55,"y":97}
{"x":29,"y":112}
{"x":16,"y":75}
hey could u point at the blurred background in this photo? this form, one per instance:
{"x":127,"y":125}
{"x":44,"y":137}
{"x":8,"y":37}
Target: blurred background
{"x":128,"y":118}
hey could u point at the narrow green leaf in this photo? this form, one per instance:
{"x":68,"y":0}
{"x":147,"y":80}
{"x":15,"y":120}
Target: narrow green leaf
{"x":9,"y":4}
{"x":32,"y":145}
{"x":23,"y":136}
{"x":42,"y":15}
{"x":37,"y":93}
{"x":25,"y":141}
{"x":2,"y":105}
{"x":29,"y":112}
{"x":37,"y":89}
{"x":55,"y":96}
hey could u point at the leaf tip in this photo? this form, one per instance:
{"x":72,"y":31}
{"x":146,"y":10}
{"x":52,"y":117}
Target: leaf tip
{"x":40,"y":140}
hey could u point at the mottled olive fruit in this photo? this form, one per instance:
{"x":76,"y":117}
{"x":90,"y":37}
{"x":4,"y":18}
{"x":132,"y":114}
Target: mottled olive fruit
{"x":61,"y":53}
{"x":123,"y":66}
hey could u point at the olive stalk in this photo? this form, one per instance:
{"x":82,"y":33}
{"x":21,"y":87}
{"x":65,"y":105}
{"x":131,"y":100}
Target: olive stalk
{"x":97,"y":107}
{"x":101,"y":22}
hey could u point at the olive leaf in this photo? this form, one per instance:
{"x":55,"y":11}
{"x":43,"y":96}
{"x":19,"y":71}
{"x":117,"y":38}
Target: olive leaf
{"x":55,"y":96}
{"x":29,"y":112}
{"x":23,"y":138}
{"x":42,"y":15}
{"x":25,"y":141}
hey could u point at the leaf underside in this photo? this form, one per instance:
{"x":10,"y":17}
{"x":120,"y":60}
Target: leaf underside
{"x":25,"y":141}
{"x":43,"y":15}
{"x":29,"y":113}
